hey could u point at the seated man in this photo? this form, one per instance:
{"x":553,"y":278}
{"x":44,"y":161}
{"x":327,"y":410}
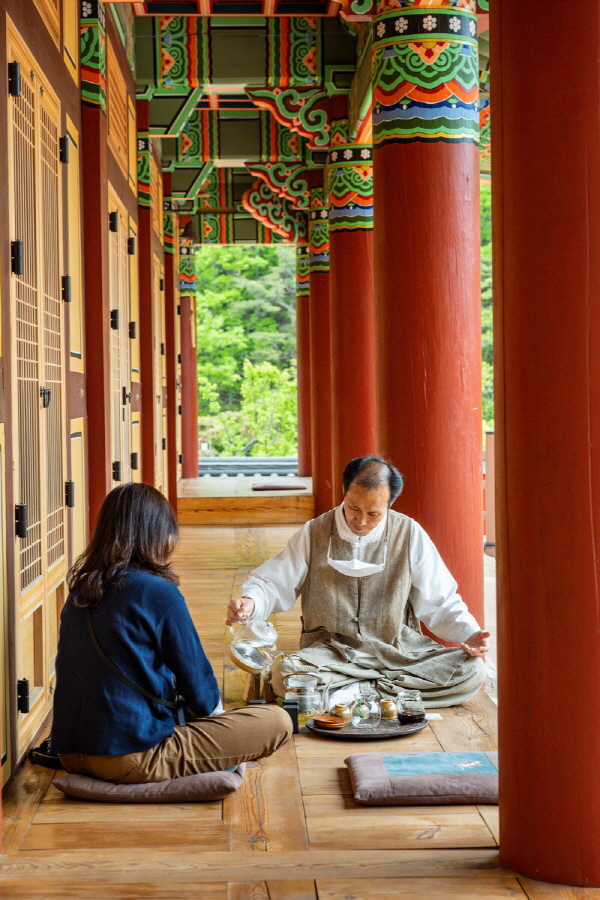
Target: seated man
{"x":368,"y":576}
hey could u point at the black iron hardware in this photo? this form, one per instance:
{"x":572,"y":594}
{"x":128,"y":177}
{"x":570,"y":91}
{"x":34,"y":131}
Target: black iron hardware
{"x":180,"y":409}
{"x":179,"y":309}
{"x":116,"y":470}
{"x":114,"y":319}
{"x":181,"y":459}
{"x":21,"y":520}
{"x":66,"y":288}
{"x":16,"y":257}
{"x":126,"y":396}
{"x":113,"y":221}
{"x":14,"y":79}
{"x":164,"y":443}
{"x":162,"y":284}
{"x":135,"y":464}
{"x":131,"y":246}
{"x":162,"y":349}
{"x":64,"y":149}
{"x":46,"y":395}
{"x":133,"y":330}
{"x":23,"y":695}
{"x":70,"y":494}
{"x":179,"y":358}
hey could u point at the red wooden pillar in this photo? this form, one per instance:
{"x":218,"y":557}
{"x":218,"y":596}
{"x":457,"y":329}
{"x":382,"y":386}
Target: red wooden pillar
{"x":172,"y":344}
{"x":320,"y":351}
{"x":303,"y":359}
{"x":189,"y":362}
{"x":427,"y":293}
{"x":97,"y":308}
{"x":147,"y":299}
{"x":353,"y":383}
{"x":546,"y":201}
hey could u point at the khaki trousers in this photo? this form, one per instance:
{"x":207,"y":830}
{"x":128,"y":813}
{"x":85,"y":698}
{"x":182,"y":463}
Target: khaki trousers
{"x":209,"y":744}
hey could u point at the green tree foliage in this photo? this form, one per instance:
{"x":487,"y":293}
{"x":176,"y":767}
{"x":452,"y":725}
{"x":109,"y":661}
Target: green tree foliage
{"x":246,"y":305}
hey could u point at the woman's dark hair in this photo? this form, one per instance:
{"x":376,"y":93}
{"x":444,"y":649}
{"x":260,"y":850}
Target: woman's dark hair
{"x":372,"y":472}
{"x":136,"y":529}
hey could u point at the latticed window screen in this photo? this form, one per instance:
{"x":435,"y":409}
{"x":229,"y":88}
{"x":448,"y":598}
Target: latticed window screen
{"x":52,"y":335}
{"x":119,"y":341}
{"x":36,"y":224}
{"x":27,"y":324}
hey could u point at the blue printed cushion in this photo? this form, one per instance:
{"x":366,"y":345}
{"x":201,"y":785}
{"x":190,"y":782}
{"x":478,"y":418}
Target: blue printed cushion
{"x":416,"y":779}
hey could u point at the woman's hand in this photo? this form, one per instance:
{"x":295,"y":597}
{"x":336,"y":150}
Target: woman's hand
{"x":239,"y":610}
{"x":478,"y":644}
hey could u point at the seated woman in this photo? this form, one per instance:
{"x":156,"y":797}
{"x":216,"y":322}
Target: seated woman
{"x":124,"y":599}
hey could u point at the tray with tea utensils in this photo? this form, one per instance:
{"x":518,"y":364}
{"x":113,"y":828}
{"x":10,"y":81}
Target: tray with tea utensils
{"x":387,"y":728}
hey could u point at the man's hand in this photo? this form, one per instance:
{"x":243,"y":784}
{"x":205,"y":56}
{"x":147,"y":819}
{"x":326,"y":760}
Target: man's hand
{"x":239,"y":610}
{"x":478,"y":644}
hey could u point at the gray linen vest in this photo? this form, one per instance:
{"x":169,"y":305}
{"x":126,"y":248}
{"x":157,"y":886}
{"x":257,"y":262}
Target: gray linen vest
{"x":341,"y":610}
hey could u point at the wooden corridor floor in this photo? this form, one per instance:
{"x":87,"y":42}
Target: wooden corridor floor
{"x":292,"y":832}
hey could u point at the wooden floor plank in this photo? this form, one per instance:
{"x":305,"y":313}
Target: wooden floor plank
{"x":499,"y":887}
{"x":339,"y":807}
{"x":21,"y":802}
{"x":471,"y":726}
{"x":323,"y":776}
{"x":31,"y":889}
{"x":542,"y":890}
{"x":246,"y":890}
{"x":489,"y":814}
{"x":385,"y":832}
{"x":180,"y":867}
{"x":146,"y":835}
{"x":267,"y":812}
{"x":297,"y":890}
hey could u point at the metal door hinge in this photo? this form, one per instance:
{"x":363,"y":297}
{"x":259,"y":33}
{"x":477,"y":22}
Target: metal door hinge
{"x":66,"y":288}
{"x":179,"y":358}
{"x":64,"y":149}
{"x":180,"y":409}
{"x":21,"y":520}
{"x":164,"y":443}
{"x":70,"y":494}
{"x":46,"y":395}
{"x":135,"y":464}
{"x":116,"y":470}
{"x":162,"y":284}
{"x":162,"y":349}
{"x":133,"y":330}
{"x":113,"y":221}
{"x":126,"y":396}
{"x":181,"y":459}
{"x":23,"y":695}
{"x":131,"y":246}
{"x":114,"y":319}
{"x":14,"y":79}
{"x":179,"y":309}
{"x":16,"y":257}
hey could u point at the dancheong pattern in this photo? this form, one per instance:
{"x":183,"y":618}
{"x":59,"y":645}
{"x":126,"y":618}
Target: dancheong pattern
{"x":295,"y":56}
{"x":274,"y":212}
{"x":169,"y":218}
{"x":144,"y":172}
{"x":187,"y":267}
{"x":286,"y":181}
{"x":300,"y":109}
{"x":216,"y":193}
{"x":350,"y":187}
{"x":183,"y":49}
{"x":199,"y":139}
{"x":302,"y":271}
{"x":318,"y":232}
{"x":425,"y":72}
{"x":93,"y":53}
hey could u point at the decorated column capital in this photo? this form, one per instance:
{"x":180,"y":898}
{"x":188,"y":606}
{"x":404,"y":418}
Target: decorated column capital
{"x":187,"y":267}
{"x":274,"y":212}
{"x":425,"y":72}
{"x":144,"y":171}
{"x":350,"y":187}
{"x":318,"y":231}
{"x":302,"y":271}
{"x":92,"y":17}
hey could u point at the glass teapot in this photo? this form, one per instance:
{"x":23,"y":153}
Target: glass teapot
{"x":305,"y":688}
{"x":254,"y":645}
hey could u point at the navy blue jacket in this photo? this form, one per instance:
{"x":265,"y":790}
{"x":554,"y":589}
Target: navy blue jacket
{"x":144,"y":627}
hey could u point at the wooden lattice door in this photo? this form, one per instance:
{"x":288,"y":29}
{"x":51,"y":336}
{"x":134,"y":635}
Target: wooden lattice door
{"x":36,"y":377}
{"x":158,"y":372}
{"x":120,"y":363}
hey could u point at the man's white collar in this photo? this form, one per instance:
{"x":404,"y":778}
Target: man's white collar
{"x":346,"y":534}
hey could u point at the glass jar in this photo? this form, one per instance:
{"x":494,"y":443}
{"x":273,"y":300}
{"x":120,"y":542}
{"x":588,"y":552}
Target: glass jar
{"x":410,"y":708}
{"x":389,"y":710}
{"x":342,"y":711}
{"x":365,"y":709}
